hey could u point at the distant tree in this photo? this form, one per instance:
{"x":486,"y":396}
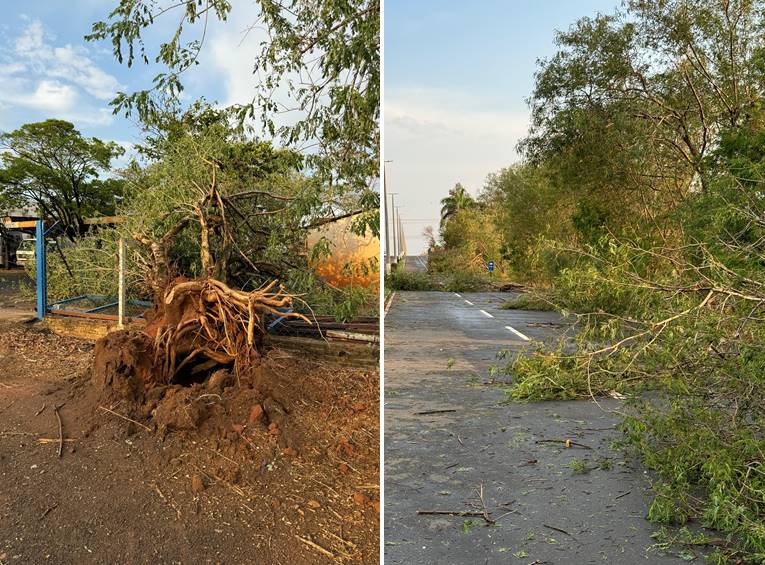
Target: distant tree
{"x":51,"y":165}
{"x":430,"y":237}
{"x":458,"y":199}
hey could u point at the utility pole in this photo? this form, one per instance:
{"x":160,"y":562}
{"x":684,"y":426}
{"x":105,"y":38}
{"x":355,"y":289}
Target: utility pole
{"x":400,"y":230}
{"x":387,"y":235}
{"x":403,"y":236}
{"x":394,"y":258}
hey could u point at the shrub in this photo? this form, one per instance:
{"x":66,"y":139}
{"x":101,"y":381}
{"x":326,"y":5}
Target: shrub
{"x":401,"y":280}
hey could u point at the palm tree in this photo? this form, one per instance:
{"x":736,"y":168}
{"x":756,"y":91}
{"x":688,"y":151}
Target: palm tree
{"x":458,"y":199}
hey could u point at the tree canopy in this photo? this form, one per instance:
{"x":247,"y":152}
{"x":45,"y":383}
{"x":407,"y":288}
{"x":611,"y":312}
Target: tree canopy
{"x":458,"y":199}
{"x":326,"y":55}
{"x":51,"y":165}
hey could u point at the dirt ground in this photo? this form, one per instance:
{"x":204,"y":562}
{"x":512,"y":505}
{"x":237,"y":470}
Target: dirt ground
{"x":280,"y":468}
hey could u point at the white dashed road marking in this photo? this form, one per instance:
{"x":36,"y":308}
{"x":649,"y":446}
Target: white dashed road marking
{"x":468,"y":301}
{"x":485,"y":313}
{"x":516,"y":332}
{"x":457,"y":295}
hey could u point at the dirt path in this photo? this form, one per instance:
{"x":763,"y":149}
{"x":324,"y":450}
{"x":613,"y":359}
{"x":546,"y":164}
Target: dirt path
{"x":551,"y":504}
{"x":225,"y":492}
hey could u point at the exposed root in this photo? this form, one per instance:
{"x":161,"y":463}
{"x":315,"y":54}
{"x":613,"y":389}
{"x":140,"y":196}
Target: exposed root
{"x":196,"y":326}
{"x":207,"y":319}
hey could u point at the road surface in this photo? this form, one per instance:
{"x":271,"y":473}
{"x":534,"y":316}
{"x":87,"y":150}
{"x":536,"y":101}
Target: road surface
{"x":551,"y":504}
{"x":414,"y":264}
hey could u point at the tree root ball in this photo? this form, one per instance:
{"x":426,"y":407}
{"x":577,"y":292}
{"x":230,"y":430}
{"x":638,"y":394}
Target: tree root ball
{"x":123,"y":365}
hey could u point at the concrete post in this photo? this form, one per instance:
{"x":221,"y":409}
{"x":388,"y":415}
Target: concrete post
{"x":122,"y":291}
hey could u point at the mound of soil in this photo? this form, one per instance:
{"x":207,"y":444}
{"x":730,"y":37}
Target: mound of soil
{"x":279,"y":464}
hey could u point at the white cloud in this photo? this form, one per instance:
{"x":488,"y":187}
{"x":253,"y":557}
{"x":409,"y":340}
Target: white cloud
{"x":231,"y":49}
{"x":233,"y":56}
{"x":31,"y":39}
{"x":50,"y":95}
{"x":62,"y":80}
{"x":437,"y":138}
{"x":75,"y":65}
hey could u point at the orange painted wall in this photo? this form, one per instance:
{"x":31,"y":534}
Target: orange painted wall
{"x":347,"y":249}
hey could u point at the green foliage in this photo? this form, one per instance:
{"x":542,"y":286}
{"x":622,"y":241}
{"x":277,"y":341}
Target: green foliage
{"x":51,"y":165}
{"x":402,"y":280}
{"x":470,"y":241}
{"x":89,"y":267}
{"x":465,"y":282}
{"x":643,"y":180}
{"x":458,"y":199}
{"x":535,"y":299}
{"x":578,"y":466}
{"x":333,"y":46}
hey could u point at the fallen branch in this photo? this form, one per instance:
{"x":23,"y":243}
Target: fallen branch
{"x":449,"y":513}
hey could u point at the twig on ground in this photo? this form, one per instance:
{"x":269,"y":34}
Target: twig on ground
{"x":426,"y":412}
{"x":485,"y":512}
{"x":147,"y":428}
{"x":448,"y":513}
{"x":560,"y":530}
{"x":566,"y":442}
{"x":8,"y":406}
{"x":40,"y":411}
{"x":316,"y":546}
{"x":166,"y":500}
{"x":506,"y":505}
{"x":60,"y":431}
{"x":622,"y":495}
{"x":47,"y":511}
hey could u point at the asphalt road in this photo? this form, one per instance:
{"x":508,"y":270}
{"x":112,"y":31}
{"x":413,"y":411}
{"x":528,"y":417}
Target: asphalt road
{"x":415,"y":264}
{"x":550,"y":504}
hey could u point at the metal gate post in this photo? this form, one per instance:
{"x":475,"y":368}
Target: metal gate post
{"x":41,"y":266}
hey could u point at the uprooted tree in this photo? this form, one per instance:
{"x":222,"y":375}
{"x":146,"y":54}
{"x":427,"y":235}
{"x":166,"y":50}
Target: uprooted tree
{"x":214,"y":212}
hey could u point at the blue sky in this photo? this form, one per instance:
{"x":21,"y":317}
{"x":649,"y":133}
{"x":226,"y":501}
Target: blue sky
{"x":47,"y":69}
{"x":456,"y":77}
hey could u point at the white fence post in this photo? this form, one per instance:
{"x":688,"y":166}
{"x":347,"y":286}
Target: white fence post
{"x":121,"y":297}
